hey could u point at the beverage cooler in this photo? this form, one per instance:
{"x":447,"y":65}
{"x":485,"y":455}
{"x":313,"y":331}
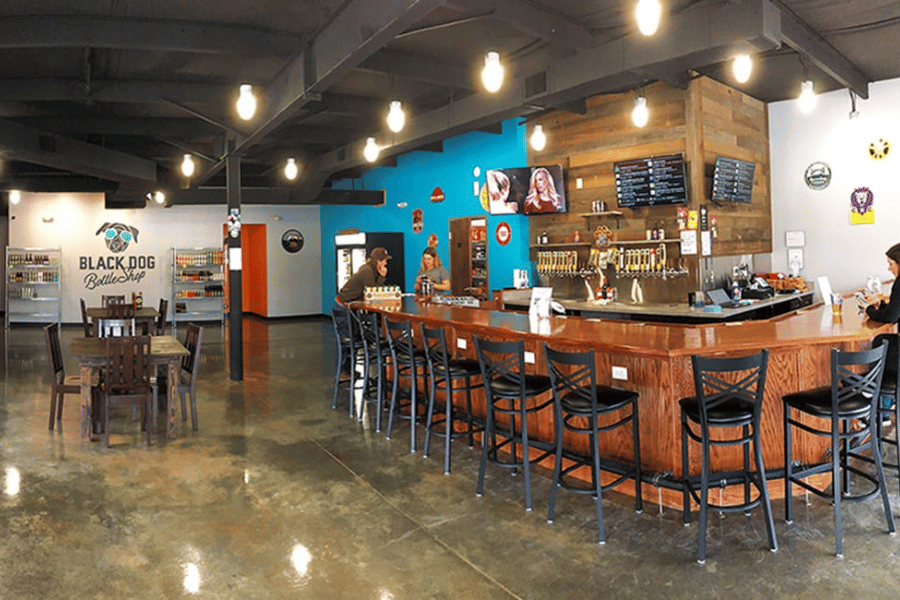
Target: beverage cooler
{"x":352,"y":250}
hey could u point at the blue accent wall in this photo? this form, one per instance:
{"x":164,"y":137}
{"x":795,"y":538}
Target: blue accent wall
{"x":412,"y":182}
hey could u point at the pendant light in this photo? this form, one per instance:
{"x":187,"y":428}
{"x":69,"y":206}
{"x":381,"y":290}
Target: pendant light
{"x":492,"y":73}
{"x":538,"y":138}
{"x":640,"y":115}
{"x":807,"y":96}
{"x":187,"y":165}
{"x":246,"y":104}
{"x":371,"y":150}
{"x":742,"y":68}
{"x":159,"y":197}
{"x":647,"y":14}
{"x":396,"y":118}
{"x":290,"y":169}
{"x":14,"y":196}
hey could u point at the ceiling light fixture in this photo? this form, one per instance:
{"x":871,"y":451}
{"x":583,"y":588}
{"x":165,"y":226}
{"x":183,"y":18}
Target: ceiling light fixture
{"x":159,"y":197}
{"x":854,"y":114}
{"x":246,"y":104}
{"x":290,"y":169}
{"x":640,"y":115}
{"x":538,"y":138}
{"x":187,"y":165}
{"x":371,"y":150}
{"x":807,"y":96}
{"x":742,"y":68}
{"x":647,"y":14}
{"x":396,"y":118}
{"x":492,"y":73}
{"x":14,"y":196}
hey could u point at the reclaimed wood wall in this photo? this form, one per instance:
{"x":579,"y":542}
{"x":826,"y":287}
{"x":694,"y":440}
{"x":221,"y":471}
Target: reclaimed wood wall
{"x":703,"y":121}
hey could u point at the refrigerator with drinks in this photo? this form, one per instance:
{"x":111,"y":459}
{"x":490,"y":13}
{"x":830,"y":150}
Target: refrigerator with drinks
{"x":352,"y":250}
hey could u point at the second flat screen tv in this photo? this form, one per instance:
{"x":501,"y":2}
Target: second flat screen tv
{"x":526,"y":190}
{"x":650,"y":181}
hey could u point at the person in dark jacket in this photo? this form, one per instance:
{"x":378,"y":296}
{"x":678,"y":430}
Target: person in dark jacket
{"x":373,"y":272}
{"x":889,"y":312}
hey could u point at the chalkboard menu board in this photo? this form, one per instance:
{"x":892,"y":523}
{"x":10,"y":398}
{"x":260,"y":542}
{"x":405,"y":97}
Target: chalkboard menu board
{"x":649,"y":181}
{"x":733,"y":180}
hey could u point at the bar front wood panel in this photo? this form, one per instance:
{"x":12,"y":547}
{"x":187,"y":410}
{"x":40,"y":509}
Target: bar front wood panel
{"x":657,"y":357}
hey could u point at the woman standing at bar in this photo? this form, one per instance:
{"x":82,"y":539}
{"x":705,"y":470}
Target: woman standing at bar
{"x":889,"y":312}
{"x":434,"y":270}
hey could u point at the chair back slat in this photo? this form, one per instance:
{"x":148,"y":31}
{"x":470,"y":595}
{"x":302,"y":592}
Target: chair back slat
{"x":856,"y":374}
{"x":720,"y":380}
{"x":192,"y":341}
{"x":435,"y":340}
{"x":501,"y":360}
{"x":572,"y":373}
{"x":85,"y":321}
{"x":54,"y":352}
{"x":115,"y":327}
{"x":128,"y":366}
{"x":161,"y":318}
{"x":400,"y":338}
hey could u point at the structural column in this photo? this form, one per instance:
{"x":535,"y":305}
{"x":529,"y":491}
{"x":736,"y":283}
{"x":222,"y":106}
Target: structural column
{"x":235,"y":313}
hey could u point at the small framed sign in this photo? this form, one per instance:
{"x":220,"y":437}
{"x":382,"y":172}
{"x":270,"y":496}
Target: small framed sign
{"x":795,"y":239}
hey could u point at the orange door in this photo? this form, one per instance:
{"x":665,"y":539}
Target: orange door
{"x":254,"y":280}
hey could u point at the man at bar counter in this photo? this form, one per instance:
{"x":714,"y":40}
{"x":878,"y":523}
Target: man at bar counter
{"x":373,"y":272}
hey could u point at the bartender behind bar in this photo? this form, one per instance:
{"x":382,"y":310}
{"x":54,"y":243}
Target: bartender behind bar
{"x":432,"y":276}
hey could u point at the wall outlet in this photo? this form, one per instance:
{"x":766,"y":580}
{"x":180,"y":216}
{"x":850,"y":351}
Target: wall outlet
{"x":461,"y":343}
{"x":529,"y":357}
{"x":620,"y":373}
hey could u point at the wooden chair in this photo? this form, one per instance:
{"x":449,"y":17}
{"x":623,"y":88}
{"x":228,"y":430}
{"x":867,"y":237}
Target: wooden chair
{"x":85,"y":321}
{"x":108,"y":299}
{"x":115,"y":327}
{"x":126,"y":379}
{"x":161,"y":319}
{"x":60,"y":383}
{"x":187,"y":381}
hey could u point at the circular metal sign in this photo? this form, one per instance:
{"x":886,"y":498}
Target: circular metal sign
{"x":817,"y":176}
{"x":292,"y":240}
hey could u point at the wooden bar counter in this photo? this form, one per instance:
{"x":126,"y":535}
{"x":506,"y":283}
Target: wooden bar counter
{"x":657,"y":359}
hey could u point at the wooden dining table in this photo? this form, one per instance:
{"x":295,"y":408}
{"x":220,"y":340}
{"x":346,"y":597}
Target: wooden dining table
{"x":145,"y":316}
{"x":165,"y":350}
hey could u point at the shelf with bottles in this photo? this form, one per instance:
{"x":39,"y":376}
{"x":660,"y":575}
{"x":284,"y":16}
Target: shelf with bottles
{"x":33,"y":289}
{"x":198,"y":284}
{"x":187,"y":258}
{"x":645,"y":242}
{"x":617,"y":214}
{"x":578,"y":244}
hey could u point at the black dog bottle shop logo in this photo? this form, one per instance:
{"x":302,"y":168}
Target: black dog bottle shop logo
{"x":115,"y":268}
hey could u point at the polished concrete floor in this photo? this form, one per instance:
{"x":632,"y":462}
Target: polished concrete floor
{"x":278,"y":496}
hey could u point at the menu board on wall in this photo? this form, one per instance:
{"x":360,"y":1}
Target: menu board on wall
{"x":649,"y":181}
{"x":733,"y":180}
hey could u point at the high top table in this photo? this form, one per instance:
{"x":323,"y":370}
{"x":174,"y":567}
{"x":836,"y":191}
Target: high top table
{"x":653,"y":359}
{"x":164,"y":350}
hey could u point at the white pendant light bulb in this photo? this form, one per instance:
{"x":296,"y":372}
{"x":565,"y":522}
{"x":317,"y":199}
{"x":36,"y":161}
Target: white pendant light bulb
{"x":742,"y":67}
{"x":396,"y":118}
{"x":807,"y":96}
{"x":371,"y":150}
{"x":290,"y":169}
{"x":159,"y":197}
{"x":538,"y":138}
{"x":492,"y":73}
{"x":187,"y":165}
{"x":246,"y":104}
{"x":647,"y":14}
{"x":14,"y":196}
{"x":640,"y":115}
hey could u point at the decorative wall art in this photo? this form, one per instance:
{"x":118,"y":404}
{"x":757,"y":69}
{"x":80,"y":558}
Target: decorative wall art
{"x":817,"y":176}
{"x":437,"y":195}
{"x":879,"y":149}
{"x":417,"y":221}
{"x":862,"y":206}
{"x":503,"y":233}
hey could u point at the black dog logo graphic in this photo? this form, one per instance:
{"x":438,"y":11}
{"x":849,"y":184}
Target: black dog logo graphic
{"x":118,"y":235}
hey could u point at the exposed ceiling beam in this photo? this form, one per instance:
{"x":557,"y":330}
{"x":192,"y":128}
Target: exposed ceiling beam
{"x":272,"y":195}
{"x":420,"y":68}
{"x":135,"y":92}
{"x":121,"y":125}
{"x":538,"y":22}
{"x":57,"y":184}
{"x":203,"y":117}
{"x":34,"y":146}
{"x":41,"y":31}
{"x":806,"y":41}
{"x":703,"y":37}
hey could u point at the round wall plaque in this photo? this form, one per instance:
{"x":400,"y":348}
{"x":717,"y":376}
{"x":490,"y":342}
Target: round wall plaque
{"x":879,"y":148}
{"x":817,"y":176}
{"x":292,"y":240}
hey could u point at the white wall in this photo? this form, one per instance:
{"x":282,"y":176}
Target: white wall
{"x":846,"y":253}
{"x":76,"y":219}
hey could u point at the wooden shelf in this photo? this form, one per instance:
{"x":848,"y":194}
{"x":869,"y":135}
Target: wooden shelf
{"x":562,"y":245}
{"x":607,"y":213}
{"x":645,"y":242}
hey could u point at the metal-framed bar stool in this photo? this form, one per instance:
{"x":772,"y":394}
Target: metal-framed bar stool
{"x":729,"y":395}
{"x":578,"y":398}
{"x":443,"y":375}
{"x":849,"y":407}
{"x":409,"y":363}
{"x":346,"y":351}
{"x":376,"y":354}
{"x":514,"y":394}
{"x":889,"y":406}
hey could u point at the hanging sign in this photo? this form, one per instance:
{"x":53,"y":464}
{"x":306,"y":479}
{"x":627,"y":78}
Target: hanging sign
{"x":503,"y":233}
{"x":862,"y":210}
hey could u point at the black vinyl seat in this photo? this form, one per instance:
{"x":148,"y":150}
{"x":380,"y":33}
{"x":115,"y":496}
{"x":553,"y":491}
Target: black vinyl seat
{"x":850,"y":407}
{"x":577,"y":397}
{"x":376,"y":353}
{"x":444,"y":373}
{"x":512,"y":393}
{"x":409,"y":363}
{"x":729,"y":395}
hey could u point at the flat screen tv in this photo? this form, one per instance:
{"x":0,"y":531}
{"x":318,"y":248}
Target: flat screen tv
{"x":650,"y":181}
{"x":732,"y":180}
{"x":526,"y":190}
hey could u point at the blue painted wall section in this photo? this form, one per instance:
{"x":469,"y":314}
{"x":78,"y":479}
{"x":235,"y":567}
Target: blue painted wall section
{"x":412,"y":181}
